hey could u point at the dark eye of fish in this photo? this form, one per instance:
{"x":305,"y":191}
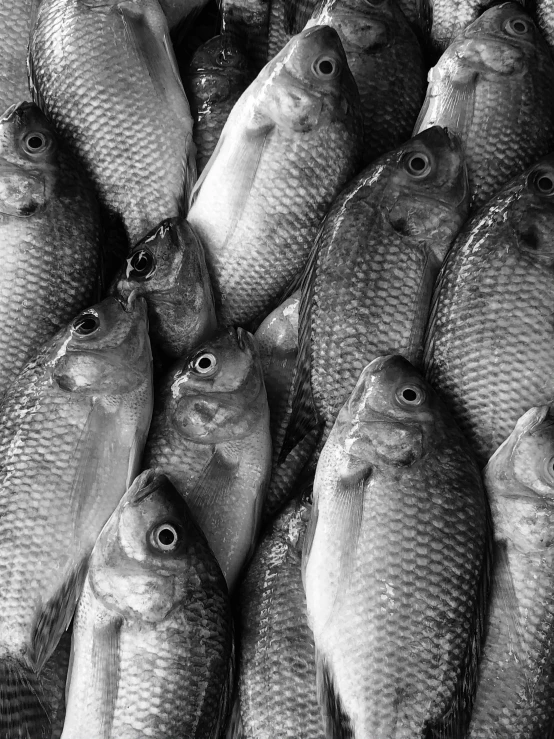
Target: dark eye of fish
{"x":544,"y":183}
{"x":141,"y":264}
{"x":325,"y":67}
{"x":35,"y":143}
{"x":518,"y":26}
{"x":204,"y":363}
{"x":165,"y":537}
{"x":410,"y":395}
{"x":418,"y":165}
{"x":86,"y":325}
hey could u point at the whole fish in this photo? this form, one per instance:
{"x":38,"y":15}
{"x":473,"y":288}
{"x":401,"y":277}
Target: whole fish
{"x":152,"y":640}
{"x":16,"y":21}
{"x":217,"y":75}
{"x":515,"y":697}
{"x":210,"y":436}
{"x":368,"y":286}
{"x":494,"y":86}
{"x":386,"y":62}
{"x":290,"y":144}
{"x":247,"y":23}
{"x":168,"y":268}
{"x":49,"y":232}
{"x":395,"y":563}
{"x":489,"y":347}
{"x":105,"y":74}
{"x":277,"y":661}
{"x":72,"y":428}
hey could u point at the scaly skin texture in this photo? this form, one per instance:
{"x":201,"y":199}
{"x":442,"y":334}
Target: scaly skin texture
{"x":247,"y":23}
{"x":515,"y":698}
{"x":49,"y":232}
{"x":54,"y":678}
{"x":113,"y":92}
{"x":386,"y":62}
{"x":210,"y":435}
{"x":393,"y":565}
{"x":489,"y":342}
{"x":217,"y":75}
{"x":291,"y":142}
{"x":494,"y":86}
{"x":152,"y":637}
{"x":544,"y":14}
{"x":16,"y":18}
{"x":277,"y":665}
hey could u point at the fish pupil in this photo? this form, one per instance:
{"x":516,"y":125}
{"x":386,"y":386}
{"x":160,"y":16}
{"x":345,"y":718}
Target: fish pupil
{"x":166,"y":537}
{"x":141,"y":262}
{"x":86,"y":325}
{"x":418,"y":164}
{"x":545,"y":184}
{"x":519,"y":26}
{"x":35,"y":142}
{"x":409,"y":395}
{"x":204,"y":363}
{"x":326,"y":67}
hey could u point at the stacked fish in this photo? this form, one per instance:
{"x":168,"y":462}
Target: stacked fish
{"x":276,"y":369}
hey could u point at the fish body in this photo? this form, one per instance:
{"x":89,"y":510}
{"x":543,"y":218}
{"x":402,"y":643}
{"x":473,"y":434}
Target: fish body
{"x":210,"y":435}
{"x":152,"y":639}
{"x":16,"y":21}
{"x":544,"y":14}
{"x":247,"y":23}
{"x":488,"y":346}
{"x":290,"y":144}
{"x":49,"y":234}
{"x":515,"y":697}
{"x":106,"y":76}
{"x":395,"y":562}
{"x":72,"y":428}
{"x":494,"y":87}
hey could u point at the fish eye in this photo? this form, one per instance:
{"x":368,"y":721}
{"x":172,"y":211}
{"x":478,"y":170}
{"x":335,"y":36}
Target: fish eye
{"x":549,"y":469}
{"x":410,"y":395}
{"x":325,"y":67}
{"x":165,"y":537}
{"x":518,"y":26}
{"x":418,"y":165}
{"x":36,"y":142}
{"x":204,"y":364}
{"x":86,"y":324}
{"x":544,"y":183}
{"x":141,"y":265}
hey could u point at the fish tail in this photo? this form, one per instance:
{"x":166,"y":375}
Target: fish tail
{"x":22,"y":714}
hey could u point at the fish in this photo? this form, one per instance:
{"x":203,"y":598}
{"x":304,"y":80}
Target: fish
{"x":290,"y":144}
{"x":16,"y":21}
{"x":168,"y":269}
{"x":105,"y":74}
{"x":488,"y":343}
{"x":277,"y":685}
{"x":50,"y":234}
{"x":544,"y":16}
{"x":72,"y":428}
{"x":494,"y":86}
{"x":368,"y":286}
{"x":247,"y":24}
{"x":395,"y":562}
{"x":515,"y":695}
{"x":386,"y":61}
{"x":153,"y":634}
{"x":217,"y":75}
{"x":210,"y":435}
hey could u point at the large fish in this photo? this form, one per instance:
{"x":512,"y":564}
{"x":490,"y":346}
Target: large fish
{"x":210,"y":435}
{"x":515,"y":697}
{"x":105,"y":74}
{"x":49,"y":233}
{"x":16,"y":21}
{"x":494,"y":86}
{"x":395,"y":563}
{"x":72,"y":429}
{"x":290,"y":144}
{"x":386,"y":62}
{"x":152,"y":638}
{"x":490,"y":339}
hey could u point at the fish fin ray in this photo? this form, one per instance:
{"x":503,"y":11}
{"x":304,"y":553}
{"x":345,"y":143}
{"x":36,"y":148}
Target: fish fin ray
{"x":214,"y":482}
{"x":336,"y":722}
{"x":105,"y":669}
{"x":22,"y":713}
{"x":297,"y":14}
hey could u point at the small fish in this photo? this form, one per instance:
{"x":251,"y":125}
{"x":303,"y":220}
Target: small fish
{"x":153,"y":637}
{"x":17,"y":18}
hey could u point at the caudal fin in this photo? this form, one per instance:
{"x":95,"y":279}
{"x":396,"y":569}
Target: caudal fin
{"x":22,"y":714}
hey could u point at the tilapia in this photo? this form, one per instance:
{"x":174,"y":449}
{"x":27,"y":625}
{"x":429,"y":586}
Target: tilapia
{"x":105,"y":74}
{"x":210,"y":436}
{"x":494,"y":86}
{"x":72,"y":428}
{"x":168,"y":268}
{"x":291,"y":143}
{"x":152,"y":640}
{"x":368,"y":286}
{"x":277,"y":661}
{"x":217,"y":75}
{"x":489,"y":348}
{"x":386,"y":62}
{"x":50,"y":237}
{"x":395,"y":563}
{"x":515,"y":697}
{"x":16,"y":21}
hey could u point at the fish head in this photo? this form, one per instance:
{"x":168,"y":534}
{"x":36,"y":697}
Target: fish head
{"x":216,"y":69}
{"x":364,"y":27}
{"x":28,"y":160}
{"x":105,"y":350}
{"x":217,"y":392}
{"x":280,"y":328}
{"x":167,"y":267}
{"x":427,"y":196}
{"x":150,"y":552}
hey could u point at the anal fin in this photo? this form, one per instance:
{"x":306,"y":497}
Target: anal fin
{"x":336,"y":723}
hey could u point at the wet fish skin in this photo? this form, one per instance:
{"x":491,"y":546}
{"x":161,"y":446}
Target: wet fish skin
{"x":516,"y":691}
{"x":168,"y":269}
{"x":50,"y":235}
{"x":210,"y":435}
{"x":398,"y":521}
{"x":290,"y":144}
{"x":544,"y":16}
{"x":488,"y":342}
{"x":72,"y":428}
{"x":16,"y":21}
{"x":117,"y":59}
{"x":247,"y":23}
{"x":153,"y":639}
{"x":218,"y":74}
{"x":494,"y":86}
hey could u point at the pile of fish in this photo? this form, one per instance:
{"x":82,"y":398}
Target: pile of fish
{"x":277,"y":369}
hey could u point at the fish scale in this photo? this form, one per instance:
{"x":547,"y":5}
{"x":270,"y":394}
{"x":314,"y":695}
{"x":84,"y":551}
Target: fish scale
{"x":15,"y":21}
